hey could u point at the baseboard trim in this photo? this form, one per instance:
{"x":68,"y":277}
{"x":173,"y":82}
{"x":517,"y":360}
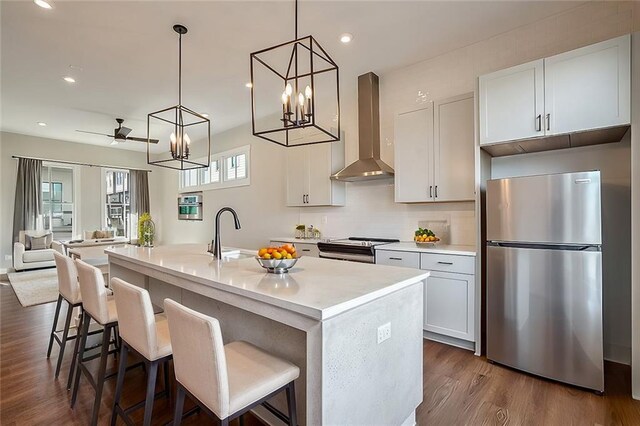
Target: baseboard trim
{"x":448,"y":340}
{"x":617,"y":353}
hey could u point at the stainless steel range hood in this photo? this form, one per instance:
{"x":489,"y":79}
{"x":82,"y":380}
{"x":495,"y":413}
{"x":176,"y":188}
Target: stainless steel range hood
{"x":369,"y":166}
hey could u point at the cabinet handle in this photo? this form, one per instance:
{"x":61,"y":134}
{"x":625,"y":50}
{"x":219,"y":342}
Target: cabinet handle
{"x":548,"y":120}
{"x":430,"y":191}
{"x":307,"y":198}
{"x":306,"y":249}
{"x":539,"y":123}
{"x":395,"y":258}
{"x":436,"y":191}
{"x":445,"y":263}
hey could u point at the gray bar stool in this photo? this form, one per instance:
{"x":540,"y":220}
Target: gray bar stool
{"x":102,"y":309}
{"x":225,"y":380}
{"x":146,"y":335}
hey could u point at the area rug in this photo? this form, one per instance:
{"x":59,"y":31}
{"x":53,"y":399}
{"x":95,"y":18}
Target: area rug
{"x":35,"y":287}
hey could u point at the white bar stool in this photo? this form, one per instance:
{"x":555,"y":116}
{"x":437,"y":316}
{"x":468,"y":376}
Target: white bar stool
{"x":69,"y":291}
{"x":225,"y":380}
{"x":146,"y":335}
{"x":102,"y":309}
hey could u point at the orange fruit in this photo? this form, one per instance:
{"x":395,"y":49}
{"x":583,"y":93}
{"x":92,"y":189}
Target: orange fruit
{"x":277,"y":255}
{"x":262,"y":252}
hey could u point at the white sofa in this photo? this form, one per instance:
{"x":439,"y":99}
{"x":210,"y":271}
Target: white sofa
{"x":24,"y":259}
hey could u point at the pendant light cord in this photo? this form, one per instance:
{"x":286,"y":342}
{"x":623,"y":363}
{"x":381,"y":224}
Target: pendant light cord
{"x":180,"y":70}
{"x":296,"y":19}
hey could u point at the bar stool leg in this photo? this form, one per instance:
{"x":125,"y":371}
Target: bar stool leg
{"x":65,"y":334}
{"x":83,"y":342}
{"x":106,"y":337}
{"x":167,"y":382}
{"x":151,"y":387}
{"x":75,"y":352}
{"x":55,"y":322}
{"x":177,"y":413}
{"x":122,"y":370}
{"x":291,"y":402}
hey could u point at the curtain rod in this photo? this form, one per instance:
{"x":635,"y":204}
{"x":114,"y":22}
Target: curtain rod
{"x":81,"y":164}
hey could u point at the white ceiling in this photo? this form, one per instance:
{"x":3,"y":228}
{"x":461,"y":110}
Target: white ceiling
{"x":126,"y":53}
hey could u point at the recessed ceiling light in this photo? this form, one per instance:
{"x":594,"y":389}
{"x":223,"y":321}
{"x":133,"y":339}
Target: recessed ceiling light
{"x":69,"y":79}
{"x":204,"y":114}
{"x":249,"y":85}
{"x":43,"y":4}
{"x":346,"y":38}
{"x":42,"y":123}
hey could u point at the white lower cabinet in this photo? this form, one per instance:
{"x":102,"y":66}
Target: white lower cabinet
{"x":449,"y":292}
{"x":449,"y":305}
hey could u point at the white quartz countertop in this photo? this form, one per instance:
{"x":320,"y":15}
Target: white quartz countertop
{"x":437,"y":249}
{"x":317,"y":288}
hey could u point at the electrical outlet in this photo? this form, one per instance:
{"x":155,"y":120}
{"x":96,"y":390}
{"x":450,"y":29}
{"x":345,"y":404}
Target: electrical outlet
{"x":7,"y":257}
{"x":384,"y":332}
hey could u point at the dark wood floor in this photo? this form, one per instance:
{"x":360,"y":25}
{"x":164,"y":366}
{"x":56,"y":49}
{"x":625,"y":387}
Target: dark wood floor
{"x":459,"y":388}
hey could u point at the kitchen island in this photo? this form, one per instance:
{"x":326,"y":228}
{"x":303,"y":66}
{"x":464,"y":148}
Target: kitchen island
{"x":328,"y":317}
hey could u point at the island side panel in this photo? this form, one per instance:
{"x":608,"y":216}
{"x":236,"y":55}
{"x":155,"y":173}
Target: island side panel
{"x":369,"y":383}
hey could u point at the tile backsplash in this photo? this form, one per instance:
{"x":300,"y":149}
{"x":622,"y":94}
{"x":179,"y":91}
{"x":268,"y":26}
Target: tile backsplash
{"x":372,"y":212}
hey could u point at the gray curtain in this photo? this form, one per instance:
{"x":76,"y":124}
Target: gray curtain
{"x":139,"y":191}
{"x":28,"y":203}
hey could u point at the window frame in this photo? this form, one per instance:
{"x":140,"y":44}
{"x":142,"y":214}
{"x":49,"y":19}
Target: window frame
{"x":223,"y":182}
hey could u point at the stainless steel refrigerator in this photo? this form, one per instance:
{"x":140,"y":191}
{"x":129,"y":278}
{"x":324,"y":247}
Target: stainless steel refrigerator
{"x":544,"y":276}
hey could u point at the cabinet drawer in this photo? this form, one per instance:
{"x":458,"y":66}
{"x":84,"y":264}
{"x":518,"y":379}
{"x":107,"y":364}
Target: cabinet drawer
{"x":448,"y":263}
{"x":398,"y":258}
{"x":306,"y":249}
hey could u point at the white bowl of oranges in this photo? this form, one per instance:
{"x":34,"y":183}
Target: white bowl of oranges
{"x":425,"y":237}
{"x":277,"y":260}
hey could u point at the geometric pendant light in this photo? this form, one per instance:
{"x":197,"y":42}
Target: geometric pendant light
{"x":295,"y":93}
{"x":184,"y":133}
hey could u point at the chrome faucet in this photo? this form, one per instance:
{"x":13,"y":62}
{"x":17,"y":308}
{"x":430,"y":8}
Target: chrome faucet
{"x":216,"y":247}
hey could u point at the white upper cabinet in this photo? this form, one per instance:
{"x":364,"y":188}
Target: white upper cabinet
{"x":454,"y":157}
{"x":434,"y":152}
{"x":584,"y":89}
{"x":309,"y":169}
{"x":512,"y":103}
{"x":414,"y":156}
{"x":589,"y":88}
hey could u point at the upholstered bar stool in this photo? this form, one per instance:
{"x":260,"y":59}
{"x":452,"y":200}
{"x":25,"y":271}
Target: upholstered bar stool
{"x":225,"y":380}
{"x":102,"y":309}
{"x":69,"y":292}
{"x":146,"y":335}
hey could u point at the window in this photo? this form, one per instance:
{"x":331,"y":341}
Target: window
{"x":117,"y":211}
{"x":226,"y":169}
{"x":57,"y":200}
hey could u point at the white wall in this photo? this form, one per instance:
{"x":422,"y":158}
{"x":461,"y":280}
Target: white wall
{"x":613,"y":161}
{"x":90,"y":203}
{"x":260,"y":206}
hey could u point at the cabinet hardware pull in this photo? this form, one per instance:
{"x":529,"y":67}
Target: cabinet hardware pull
{"x":548,"y":120}
{"x":436,"y":191}
{"x":395,"y":258}
{"x":539,"y":123}
{"x":430,"y":191}
{"x":306,"y":249}
{"x":445,"y":263}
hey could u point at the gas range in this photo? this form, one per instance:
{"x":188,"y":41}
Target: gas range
{"x":355,"y":249}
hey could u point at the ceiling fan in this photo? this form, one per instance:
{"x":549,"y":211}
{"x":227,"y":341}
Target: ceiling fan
{"x":120,"y":134}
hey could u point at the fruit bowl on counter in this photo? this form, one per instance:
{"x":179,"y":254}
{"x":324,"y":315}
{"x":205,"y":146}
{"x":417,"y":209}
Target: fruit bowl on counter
{"x":277,"y":260}
{"x":425,"y":238}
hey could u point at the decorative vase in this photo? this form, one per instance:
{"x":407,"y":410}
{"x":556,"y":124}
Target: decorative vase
{"x":146,"y":231}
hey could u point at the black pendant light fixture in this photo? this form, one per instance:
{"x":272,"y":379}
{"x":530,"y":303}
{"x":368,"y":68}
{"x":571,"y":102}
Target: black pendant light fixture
{"x":186,"y":132}
{"x":300,"y":79}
